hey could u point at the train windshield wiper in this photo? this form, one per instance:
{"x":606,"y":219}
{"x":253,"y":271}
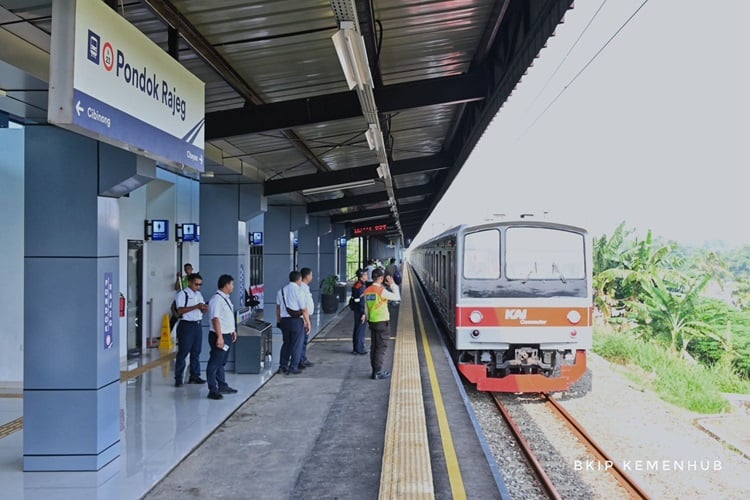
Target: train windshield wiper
{"x":533,"y":271}
{"x":556,"y":269}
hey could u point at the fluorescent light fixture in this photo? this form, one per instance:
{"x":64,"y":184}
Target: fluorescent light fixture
{"x":208,"y":174}
{"x":352,"y":54}
{"x":336,"y":187}
{"x":381,"y":171}
{"x":370,"y":135}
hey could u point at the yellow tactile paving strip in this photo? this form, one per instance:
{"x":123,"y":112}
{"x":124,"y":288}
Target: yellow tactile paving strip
{"x":11,"y":427}
{"x":406,"y":471}
{"x":17,"y":424}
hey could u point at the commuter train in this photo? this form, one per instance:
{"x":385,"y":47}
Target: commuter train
{"x":515,"y":298}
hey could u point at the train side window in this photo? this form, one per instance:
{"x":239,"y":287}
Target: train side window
{"x":482,"y":255}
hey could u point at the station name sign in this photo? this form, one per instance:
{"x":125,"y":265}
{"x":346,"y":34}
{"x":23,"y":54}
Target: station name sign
{"x":372,"y":229}
{"x":110,"y":82}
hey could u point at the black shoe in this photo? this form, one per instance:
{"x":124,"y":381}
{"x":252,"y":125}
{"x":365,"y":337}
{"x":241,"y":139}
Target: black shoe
{"x":294,"y":372}
{"x":285,"y":371}
{"x":215,"y":395}
{"x":196,"y":380}
{"x":381,"y":375}
{"x":227,"y":390}
{"x":306,"y":363}
{"x":178,"y":383}
{"x":362,"y":353}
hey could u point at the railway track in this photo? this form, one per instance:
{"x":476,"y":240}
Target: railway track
{"x":595,"y":450}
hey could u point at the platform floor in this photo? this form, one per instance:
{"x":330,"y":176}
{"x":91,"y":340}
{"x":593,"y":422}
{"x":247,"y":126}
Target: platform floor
{"x":160,"y":426}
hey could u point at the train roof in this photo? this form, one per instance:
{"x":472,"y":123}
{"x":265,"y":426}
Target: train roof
{"x":503,"y":223}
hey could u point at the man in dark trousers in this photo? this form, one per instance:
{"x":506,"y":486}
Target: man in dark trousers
{"x":190,"y":306}
{"x":294,"y":320}
{"x":376,"y":310}
{"x":222,"y":334}
{"x":358,"y":306}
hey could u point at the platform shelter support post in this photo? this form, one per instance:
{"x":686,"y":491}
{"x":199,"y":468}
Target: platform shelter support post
{"x":224,"y":210}
{"x":279,"y":225}
{"x":71,"y":382}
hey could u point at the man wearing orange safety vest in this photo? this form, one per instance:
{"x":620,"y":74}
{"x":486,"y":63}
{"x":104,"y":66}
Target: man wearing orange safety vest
{"x":376,"y":311}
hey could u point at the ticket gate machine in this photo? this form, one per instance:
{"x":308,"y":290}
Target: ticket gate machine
{"x":254,"y":347}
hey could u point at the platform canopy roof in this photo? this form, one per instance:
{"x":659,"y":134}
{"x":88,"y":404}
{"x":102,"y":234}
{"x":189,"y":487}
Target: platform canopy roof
{"x":377,"y":144}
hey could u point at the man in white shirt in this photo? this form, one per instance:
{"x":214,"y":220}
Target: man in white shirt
{"x":294,"y":320}
{"x":223,"y":333}
{"x":307,"y":277}
{"x":190,"y":306}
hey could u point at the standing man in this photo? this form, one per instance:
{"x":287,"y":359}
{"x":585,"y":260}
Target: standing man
{"x":191,"y":306}
{"x":222,"y":334}
{"x":294,"y":320}
{"x":376,"y":310}
{"x":358,"y":306}
{"x":182,"y":281}
{"x":307,"y":277}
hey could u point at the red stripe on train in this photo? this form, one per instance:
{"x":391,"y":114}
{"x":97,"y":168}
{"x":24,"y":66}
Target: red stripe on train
{"x":523,"y":316}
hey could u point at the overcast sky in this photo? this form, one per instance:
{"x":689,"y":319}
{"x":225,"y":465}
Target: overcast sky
{"x":653,"y":132}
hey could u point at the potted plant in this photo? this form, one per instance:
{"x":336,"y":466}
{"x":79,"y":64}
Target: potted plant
{"x":328,"y":299}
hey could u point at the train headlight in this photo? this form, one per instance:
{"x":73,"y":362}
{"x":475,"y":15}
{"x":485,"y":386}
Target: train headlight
{"x":475,"y":333}
{"x":574,"y":317}
{"x":476,"y":317}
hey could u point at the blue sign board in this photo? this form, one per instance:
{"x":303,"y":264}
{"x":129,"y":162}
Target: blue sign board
{"x":342,"y":242}
{"x":256,"y":238}
{"x":160,"y":230}
{"x":108,"y":308}
{"x":190,"y":232}
{"x":296,"y":243}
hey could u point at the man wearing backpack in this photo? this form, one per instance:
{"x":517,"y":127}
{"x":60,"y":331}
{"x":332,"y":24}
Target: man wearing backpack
{"x":190,"y":307}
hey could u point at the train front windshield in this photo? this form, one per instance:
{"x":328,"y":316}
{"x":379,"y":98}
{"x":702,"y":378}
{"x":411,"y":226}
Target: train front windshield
{"x":528,"y":262}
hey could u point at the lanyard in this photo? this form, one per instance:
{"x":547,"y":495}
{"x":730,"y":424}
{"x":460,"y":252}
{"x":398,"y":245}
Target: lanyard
{"x":231,"y":309}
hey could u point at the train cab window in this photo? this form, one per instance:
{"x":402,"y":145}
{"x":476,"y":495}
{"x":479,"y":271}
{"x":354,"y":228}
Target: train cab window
{"x":482,"y":255}
{"x":543,"y":254}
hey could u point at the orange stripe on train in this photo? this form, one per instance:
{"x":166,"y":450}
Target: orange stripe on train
{"x":524,"y":316}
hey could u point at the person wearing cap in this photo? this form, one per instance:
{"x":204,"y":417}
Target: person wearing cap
{"x":376,"y":312}
{"x":357,"y":305}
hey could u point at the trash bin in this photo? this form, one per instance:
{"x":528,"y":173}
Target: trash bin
{"x":252,"y":352}
{"x":339,"y":290}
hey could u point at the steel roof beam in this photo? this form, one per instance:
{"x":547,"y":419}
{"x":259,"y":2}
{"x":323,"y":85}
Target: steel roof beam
{"x":300,"y":182}
{"x":171,"y":15}
{"x":364,"y":199}
{"x":342,"y":105}
{"x":378,"y":212}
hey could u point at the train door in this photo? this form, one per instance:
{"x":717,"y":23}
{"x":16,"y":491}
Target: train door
{"x":134,"y":308}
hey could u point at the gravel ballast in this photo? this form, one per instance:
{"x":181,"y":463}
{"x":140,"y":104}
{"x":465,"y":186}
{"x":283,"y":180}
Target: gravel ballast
{"x":656,"y":443}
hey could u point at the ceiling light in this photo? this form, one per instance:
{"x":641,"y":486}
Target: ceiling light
{"x":370,"y":135}
{"x":336,"y":187}
{"x":352,"y":54}
{"x":209,"y":174}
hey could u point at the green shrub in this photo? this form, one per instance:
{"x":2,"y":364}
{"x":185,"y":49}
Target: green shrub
{"x":675,"y":379}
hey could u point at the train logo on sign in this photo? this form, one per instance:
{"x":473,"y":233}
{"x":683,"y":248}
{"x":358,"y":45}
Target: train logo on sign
{"x":515,"y":314}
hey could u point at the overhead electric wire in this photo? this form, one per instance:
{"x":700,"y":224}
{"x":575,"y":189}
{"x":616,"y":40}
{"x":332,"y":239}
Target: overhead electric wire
{"x":568,"y":53}
{"x":580,"y":72}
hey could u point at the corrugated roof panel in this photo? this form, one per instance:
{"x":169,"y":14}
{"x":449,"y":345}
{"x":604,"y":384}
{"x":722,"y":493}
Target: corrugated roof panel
{"x":440,"y":36}
{"x":282,"y":49}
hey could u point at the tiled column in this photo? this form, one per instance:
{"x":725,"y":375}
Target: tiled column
{"x":71,"y":403}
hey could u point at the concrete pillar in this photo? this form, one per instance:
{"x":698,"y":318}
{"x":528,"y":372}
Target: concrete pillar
{"x":223,"y":247}
{"x":71,"y":403}
{"x":279,"y":224}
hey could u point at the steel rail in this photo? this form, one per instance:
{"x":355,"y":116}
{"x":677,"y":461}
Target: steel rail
{"x":623,"y":479}
{"x":536,"y":467}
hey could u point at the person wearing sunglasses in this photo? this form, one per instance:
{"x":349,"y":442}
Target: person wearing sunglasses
{"x":190,"y":306}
